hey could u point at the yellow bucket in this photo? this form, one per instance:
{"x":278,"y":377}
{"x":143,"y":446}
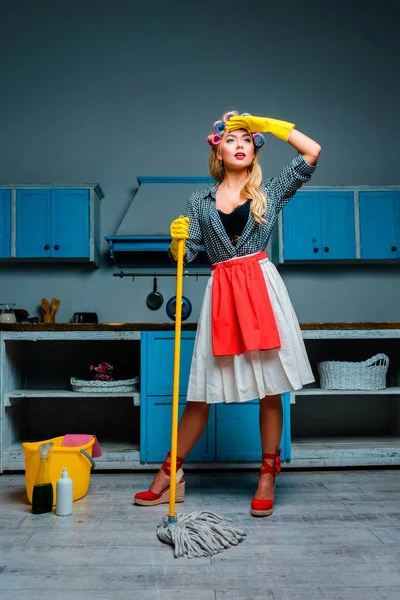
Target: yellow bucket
{"x":78,"y":461}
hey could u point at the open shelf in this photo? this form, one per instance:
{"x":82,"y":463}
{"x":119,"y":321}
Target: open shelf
{"x":317,"y":391}
{"x":339,"y":451}
{"x":62,"y":393}
{"x":50,"y":364}
{"x":114,"y":420}
{"x":39,"y":403}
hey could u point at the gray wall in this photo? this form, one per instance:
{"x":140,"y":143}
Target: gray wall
{"x":105,"y":91}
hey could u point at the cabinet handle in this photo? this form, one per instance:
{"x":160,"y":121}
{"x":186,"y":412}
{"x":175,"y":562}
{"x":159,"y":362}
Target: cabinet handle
{"x":326,"y":249}
{"x":47,"y":247}
{"x":316,"y":250}
{"x":56,"y":247}
{"x":394,"y":248}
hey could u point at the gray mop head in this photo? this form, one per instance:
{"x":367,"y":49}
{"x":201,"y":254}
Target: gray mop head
{"x":200,"y":533}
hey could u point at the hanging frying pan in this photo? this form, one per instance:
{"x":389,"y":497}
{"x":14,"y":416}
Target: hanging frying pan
{"x":154,"y":300}
{"x":171,"y":308}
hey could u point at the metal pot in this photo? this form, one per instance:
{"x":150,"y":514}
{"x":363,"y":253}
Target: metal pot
{"x":154,"y":300}
{"x":186,"y":308}
{"x":85,"y":317}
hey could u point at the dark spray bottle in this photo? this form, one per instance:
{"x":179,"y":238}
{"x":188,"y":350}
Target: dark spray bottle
{"x":42,"y":497}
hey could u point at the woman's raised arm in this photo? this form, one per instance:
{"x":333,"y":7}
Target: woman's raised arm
{"x":309,"y":149}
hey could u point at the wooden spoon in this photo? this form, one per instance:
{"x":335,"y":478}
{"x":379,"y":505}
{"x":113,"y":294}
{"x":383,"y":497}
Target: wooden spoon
{"x":45,"y":306}
{"x":54,"y":306}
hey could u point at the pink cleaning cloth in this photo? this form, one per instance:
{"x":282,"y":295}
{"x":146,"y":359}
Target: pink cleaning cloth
{"x":80,"y":439}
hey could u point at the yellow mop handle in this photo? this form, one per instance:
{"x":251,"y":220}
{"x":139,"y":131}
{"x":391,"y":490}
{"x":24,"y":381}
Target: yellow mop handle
{"x":175,"y":396}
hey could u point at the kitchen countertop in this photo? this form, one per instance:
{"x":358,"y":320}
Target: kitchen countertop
{"x":170,"y":326}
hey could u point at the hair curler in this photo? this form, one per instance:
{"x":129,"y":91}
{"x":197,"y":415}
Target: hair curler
{"x":228,"y":115}
{"x":258,"y":139}
{"x":219,"y":127}
{"x":214,"y":139}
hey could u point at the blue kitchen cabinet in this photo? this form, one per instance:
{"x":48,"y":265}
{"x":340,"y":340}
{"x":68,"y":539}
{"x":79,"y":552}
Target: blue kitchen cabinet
{"x":70,"y":223}
{"x":158,"y":433}
{"x":238,"y":433}
{"x":157,"y":361}
{"x":319,"y":225}
{"x":5,"y":223}
{"x":379,"y":224}
{"x":302,"y":227}
{"x":160,"y":362}
{"x":52,"y":223}
{"x":33,"y":215}
{"x":232,"y":432}
{"x":338,"y":235}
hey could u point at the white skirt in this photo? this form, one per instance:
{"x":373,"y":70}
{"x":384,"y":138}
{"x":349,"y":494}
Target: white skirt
{"x":256,"y":373}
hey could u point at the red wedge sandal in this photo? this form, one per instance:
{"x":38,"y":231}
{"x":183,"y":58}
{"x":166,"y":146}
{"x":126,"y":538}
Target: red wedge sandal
{"x":149,"y":498}
{"x":264,"y":508}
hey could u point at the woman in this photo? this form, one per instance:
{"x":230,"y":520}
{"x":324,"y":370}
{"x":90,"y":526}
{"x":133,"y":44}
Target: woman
{"x":248,"y":341}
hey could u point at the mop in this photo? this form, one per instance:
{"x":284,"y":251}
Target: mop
{"x":199,"y":533}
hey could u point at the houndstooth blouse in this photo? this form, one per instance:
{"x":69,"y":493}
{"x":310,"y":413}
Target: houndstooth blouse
{"x":206,"y":228}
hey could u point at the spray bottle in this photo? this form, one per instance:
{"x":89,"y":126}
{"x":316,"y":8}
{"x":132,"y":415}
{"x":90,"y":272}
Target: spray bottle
{"x":42,"y":497}
{"x":64,"y":494}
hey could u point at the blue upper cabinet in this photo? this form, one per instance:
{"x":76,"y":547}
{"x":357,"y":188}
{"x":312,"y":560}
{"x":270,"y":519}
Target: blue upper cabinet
{"x":33,"y":239}
{"x":302,"y":227}
{"x":52,"y":223}
{"x":379,"y":224}
{"x":5,"y":223}
{"x":338,"y":238}
{"x":70,"y":223}
{"x":398,"y":223}
{"x":319,"y":225}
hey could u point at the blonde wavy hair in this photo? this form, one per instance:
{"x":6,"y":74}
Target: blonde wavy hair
{"x":251,"y":186}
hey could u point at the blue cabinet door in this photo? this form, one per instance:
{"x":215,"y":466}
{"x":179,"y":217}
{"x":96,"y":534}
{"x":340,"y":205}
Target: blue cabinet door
{"x":160,"y":361}
{"x":379,"y":224}
{"x":5,"y":224}
{"x":302,"y":227}
{"x":33,"y":230}
{"x":159,"y":413}
{"x":238,"y":432}
{"x":398,"y":222}
{"x":70,"y":223}
{"x":338,"y":235}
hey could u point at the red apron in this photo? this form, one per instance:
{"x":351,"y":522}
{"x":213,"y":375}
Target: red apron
{"x":242,"y":315}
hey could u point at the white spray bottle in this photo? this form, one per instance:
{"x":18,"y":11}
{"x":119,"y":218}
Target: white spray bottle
{"x":64,"y":495}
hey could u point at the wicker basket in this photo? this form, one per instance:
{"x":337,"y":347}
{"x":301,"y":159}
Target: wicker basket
{"x":94,"y":386}
{"x":367,"y":375}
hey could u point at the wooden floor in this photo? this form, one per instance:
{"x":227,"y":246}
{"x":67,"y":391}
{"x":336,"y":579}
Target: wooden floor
{"x":333,"y":535}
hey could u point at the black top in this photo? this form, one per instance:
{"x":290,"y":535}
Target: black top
{"x":235,"y":221}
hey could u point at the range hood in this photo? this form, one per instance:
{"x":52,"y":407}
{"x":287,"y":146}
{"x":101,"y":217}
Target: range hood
{"x":143,"y":239}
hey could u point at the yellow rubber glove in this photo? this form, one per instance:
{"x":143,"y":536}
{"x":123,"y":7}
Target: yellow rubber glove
{"x":179,"y":230}
{"x":280,"y":129}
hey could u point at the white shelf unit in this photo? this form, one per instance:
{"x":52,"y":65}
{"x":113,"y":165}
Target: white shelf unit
{"x":37,"y":401}
{"x":332,"y":428}
{"x":336,"y":428}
